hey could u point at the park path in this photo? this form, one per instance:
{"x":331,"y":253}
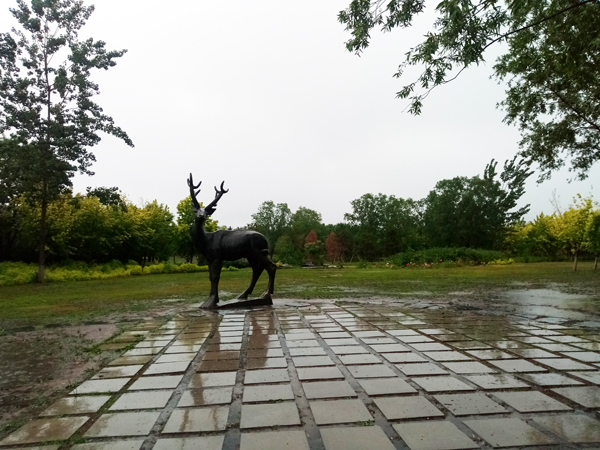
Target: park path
{"x":335,"y":377}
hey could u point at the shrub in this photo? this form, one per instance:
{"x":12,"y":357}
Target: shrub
{"x":439,"y":255}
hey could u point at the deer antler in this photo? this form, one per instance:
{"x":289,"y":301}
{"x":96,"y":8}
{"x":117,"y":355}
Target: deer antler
{"x":218,"y":194}
{"x":193,"y":192}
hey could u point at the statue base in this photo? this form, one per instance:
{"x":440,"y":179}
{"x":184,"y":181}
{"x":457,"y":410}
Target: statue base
{"x":240,"y":304}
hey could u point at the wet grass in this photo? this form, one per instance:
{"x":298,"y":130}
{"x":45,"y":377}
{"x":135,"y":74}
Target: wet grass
{"x":89,"y":300}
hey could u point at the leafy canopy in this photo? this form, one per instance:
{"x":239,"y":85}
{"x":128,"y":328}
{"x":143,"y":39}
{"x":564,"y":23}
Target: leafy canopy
{"x":552,"y":65}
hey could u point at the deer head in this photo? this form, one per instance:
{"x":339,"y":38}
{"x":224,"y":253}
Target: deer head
{"x":209,"y":209}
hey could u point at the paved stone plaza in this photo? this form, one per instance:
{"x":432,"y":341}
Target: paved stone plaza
{"x":335,"y":377}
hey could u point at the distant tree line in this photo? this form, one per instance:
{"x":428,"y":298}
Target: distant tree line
{"x":479,"y":212}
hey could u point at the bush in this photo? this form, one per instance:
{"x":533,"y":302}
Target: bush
{"x":13,"y":273}
{"x":449,"y":255}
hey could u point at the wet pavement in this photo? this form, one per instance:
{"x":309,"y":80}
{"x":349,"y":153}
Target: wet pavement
{"x":352,"y":375}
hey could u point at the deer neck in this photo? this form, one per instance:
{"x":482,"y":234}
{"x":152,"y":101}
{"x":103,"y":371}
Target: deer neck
{"x":199,"y":234}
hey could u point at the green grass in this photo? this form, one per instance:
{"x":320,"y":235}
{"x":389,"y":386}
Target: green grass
{"x":87,"y":300}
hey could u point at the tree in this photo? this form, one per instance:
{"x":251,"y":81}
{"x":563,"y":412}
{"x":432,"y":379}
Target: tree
{"x":313,"y":248}
{"x":333,"y":247}
{"x":384,"y":225}
{"x":272,"y":220}
{"x":476,"y":212}
{"x":107,"y":196}
{"x":551,"y":65}
{"x":303,"y":221}
{"x":572,"y":226}
{"x":592,"y":236}
{"x":46,"y":104}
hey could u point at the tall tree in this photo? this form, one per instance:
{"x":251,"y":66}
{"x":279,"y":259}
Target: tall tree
{"x":552,"y":64}
{"x":46,"y":101}
{"x":272,"y":220}
{"x":475,"y":212}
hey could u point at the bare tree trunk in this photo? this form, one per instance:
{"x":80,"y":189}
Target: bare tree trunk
{"x":596,"y":262}
{"x":41,"y":277}
{"x":575,"y":261}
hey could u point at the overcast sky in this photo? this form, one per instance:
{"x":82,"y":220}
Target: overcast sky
{"x":265,"y":96}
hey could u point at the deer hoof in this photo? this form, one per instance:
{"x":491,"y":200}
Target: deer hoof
{"x":210,"y":303}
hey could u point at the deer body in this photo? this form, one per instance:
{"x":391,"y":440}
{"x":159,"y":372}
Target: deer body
{"x":227,"y":245}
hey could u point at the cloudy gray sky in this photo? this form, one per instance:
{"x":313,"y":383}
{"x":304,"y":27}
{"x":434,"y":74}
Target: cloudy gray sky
{"x":265,"y":96}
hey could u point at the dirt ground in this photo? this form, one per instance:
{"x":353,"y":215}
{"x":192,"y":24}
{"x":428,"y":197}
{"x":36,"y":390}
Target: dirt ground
{"x":40,"y":364}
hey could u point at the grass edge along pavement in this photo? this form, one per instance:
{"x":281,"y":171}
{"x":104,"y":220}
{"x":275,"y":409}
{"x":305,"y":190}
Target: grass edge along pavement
{"x":86,"y":300}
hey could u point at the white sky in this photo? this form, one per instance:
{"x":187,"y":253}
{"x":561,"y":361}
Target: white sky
{"x":265,"y":96}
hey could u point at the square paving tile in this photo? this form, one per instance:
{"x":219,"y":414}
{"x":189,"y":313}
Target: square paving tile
{"x":347,"y":349}
{"x":158,"y":382}
{"x":470,"y":404}
{"x":404,"y":358}
{"x":550,"y":379}
{"x":532,"y":353}
{"x":117,"y":372}
{"x":219,"y":365}
{"x":189,"y":443}
{"x":434,"y":435}
{"x":202,"y":397}
{"x":268,"y":392}
{"x":202,"y":380}
{"x":389,"y":348}
{"x":306,"y":343}
{"x":447,"y":356}
{"x":319,"y":373}
{"x":592,"y":377}
{"x":183,"y":349}
{"x":288,"y":439}
{"x":266,"y":363}
{"x":421,"y":369}
{"x":266,"y":376}
{"x":160,"y":369}
{"x":468,"y":367}
{"x":508,"y":432}
{"x":379,"y":341}
{"x":414,"y":339}
{"x":123,"y":424}
{"x":571,"y":427}
{"x":98,"y":386}
{"x":531,"y":401}
{"x":328,"y":389}
{"x":385,"y":386}
{"x":142,"y":400}
{"x":76,"y":405}
{"x":584,"y":356}
{"x":442,"y":384}
{"x":355,"y":438}
{"x":339,"y":411}
{"x":175,"y":357}
{"x":564,"y":364}
{"x":269,"y":415}
{"x":197,"y":419}
{"x":312,"y":361}
{"x":496,"y":381}
{"x":491,"y":354}
{"x":558,"y":347}
{"x":234,"y":354}
{"x":403,"y":333}
{"x":430,"y":347}
{"x":129,"y":444}
{"x":360,"y":359}
{"x":470,"y":345}
{"x":588,"y":396}
{"x":517,"y":366}
{"x":41,"y":430}
{"x":308,"y":351}
{"x":225,"y":347}
{"x":410,"y":407}
{"x":371,"y":371}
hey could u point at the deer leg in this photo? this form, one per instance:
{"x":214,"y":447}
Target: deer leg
{"x":257,"y":270}
{"x":271,"y":268}
{"x":214,"y":272}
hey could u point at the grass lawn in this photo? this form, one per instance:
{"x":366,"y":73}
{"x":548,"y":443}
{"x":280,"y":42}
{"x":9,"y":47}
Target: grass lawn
{"x":89,"y":300}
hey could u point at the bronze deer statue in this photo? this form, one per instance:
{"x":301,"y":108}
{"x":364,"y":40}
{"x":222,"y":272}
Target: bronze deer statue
{"x":228,"y":245}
